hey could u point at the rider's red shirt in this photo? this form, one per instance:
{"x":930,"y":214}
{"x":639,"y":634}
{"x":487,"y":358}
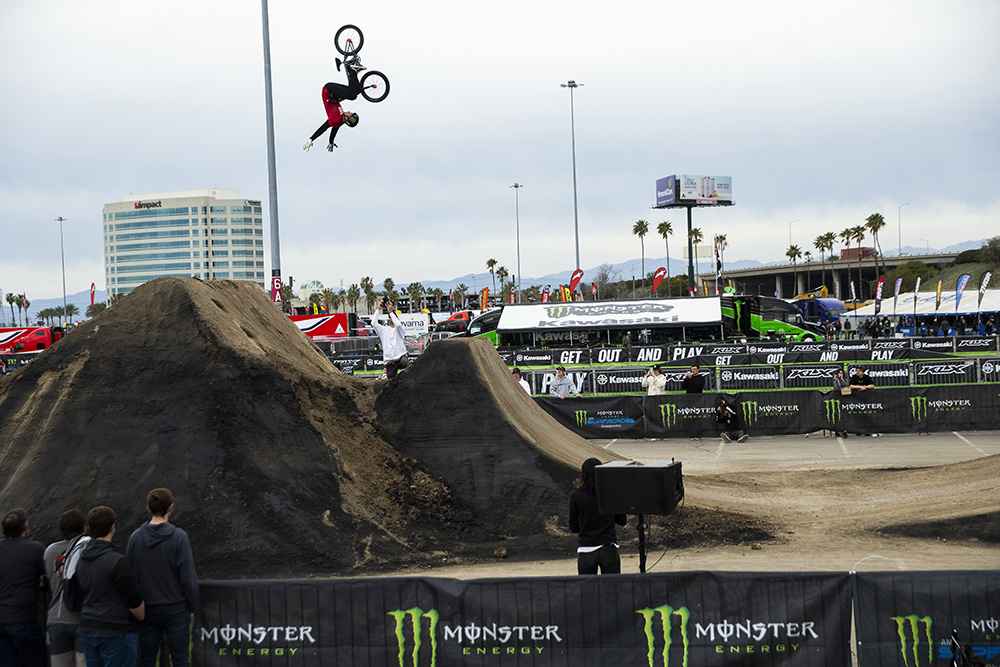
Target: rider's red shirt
{"x":334,"y":113}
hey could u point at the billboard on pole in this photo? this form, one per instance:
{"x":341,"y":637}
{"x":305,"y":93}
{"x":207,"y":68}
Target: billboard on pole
{"x":705,"y":189}
{"x":666,"y":191}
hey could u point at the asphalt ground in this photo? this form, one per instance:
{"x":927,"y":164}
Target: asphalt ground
{"x":811,"y":452}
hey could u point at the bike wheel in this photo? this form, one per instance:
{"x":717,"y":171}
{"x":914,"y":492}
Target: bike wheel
{"x":374,"y":86}
{"x":349,"y":39}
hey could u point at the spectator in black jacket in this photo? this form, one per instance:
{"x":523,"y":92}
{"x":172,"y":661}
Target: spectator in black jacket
{"x":22,"y":574}
{"x":105,"y":591}
{"x":598,"y":538}
{"x":161,"y":555}
{"x":694,"y":381}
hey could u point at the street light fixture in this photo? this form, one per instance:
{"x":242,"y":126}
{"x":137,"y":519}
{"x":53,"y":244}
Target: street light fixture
{"x":517,"y":228}
{"x":790,"y":231}
{"x":572,"y":125}
{"x":899,"y":221}
{"x":62,"y":252}
{"x":927,"y":246}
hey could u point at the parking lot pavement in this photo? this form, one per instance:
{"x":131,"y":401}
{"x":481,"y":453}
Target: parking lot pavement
{"x":799,"y":452}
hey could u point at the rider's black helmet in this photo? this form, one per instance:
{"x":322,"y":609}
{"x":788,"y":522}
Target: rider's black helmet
{"x":351,"y":119}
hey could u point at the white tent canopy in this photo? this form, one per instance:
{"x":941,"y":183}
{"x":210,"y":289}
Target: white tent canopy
{"x":926,"y":302}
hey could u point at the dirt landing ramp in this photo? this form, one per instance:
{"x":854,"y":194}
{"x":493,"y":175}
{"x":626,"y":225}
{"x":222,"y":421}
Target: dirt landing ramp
{"x":459,"y":412}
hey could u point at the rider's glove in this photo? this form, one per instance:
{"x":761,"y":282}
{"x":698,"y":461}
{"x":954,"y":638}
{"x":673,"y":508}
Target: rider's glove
{"x":306,"y":146}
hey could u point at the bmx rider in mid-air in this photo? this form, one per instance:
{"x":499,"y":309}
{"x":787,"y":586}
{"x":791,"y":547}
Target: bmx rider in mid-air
{"x":333,"y":94}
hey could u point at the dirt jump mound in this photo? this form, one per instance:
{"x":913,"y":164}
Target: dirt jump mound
{"x":280,"y":465}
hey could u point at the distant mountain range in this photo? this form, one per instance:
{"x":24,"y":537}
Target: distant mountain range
{"x":478,"y":281}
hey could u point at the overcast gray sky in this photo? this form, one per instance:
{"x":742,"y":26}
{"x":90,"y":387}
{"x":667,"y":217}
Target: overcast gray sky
{"x":822,"y":112}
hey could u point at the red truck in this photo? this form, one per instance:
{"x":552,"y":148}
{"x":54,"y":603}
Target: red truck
{"x":28,"y":339}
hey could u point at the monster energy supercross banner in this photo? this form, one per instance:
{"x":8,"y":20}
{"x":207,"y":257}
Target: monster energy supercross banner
{"x":659,"y":620}
{"x":907,"y":618}
{"x":619,"y":417}
{"x":880,"y":410}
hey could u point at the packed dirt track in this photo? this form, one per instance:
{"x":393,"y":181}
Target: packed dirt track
{"x":283,"y":467}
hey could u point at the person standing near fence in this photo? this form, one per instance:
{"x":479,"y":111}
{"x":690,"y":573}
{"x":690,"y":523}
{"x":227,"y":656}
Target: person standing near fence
{"x":598,"y":548}
{"x":655,"y":382}
{"x":694,"y":381}
{"x":562,"y":385}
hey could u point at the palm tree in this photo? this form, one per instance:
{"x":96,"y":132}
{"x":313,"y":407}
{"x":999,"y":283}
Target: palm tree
{"x":330,"y":300}
{"x":846,"y":236}
{"x":807,"y":255}
{"x":353,"y":294}
{"x":9,"y":298}
{"x":696,"y":237}
{"x":414,"y":290}
{"x":858,"y":234}
{"x":721,"y":243}
{"x":71,"y":310}
{"x":458,"y":295}
{"x":367,"y":287}
{"x":640,"y":229}
{"x":665,"y":229}
{"x":502,"y":274}
{"x":823,"y":243}
{"x":342,"y":298}
{"x":874,"y":223}
{"x":793,"y":253}
{"x":491,"y":265}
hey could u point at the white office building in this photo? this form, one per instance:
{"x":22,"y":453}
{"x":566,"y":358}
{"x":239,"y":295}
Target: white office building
{"x":208,"y":234}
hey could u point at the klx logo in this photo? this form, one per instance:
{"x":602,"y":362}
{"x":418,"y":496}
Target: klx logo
{"x":912,"y":630}
{"x":411,"y":620}
{"x":662,"y":632}
{"x":918,"y":407}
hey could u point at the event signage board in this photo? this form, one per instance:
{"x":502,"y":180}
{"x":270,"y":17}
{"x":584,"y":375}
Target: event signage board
{"x":749,"y":377}
{"x":890,"y":344}
{"x":884,"y":375}
{"x":850,"y":345}
{"x":944,"y":344}
{"x":591,"y":315}
{"x":943,"y":372}
{"x":907,"y":618}
{"x":991,"y":370}
{"x":618,"y":381}
{"x":976,"y":344}
{"x":716,"y":619}
{"x":533,"y":358}
{"x":619,"y":417}
{"x":814,"y":376}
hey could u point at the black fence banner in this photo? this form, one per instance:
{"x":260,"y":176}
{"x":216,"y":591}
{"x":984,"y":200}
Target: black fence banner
{"x":764,"y":346}
{"x":890,"y":344}
{"x":373,"y":364}
{"x":863,"y":345}
{"x":650,"y":355}
{"x":581,"y":379}
{"x":884,"y":375}
{"x":608,"y":355}
{"x":804,"y":346}
{"x":990,"y":370}
{"x":957,"y":408}
{"x":810,"y":377}
{"x":976,"y":344}
{"x":907,"y":618}
{"x":348,"y":365}
{"x":779,"y":413}
{"x":749,"y":377}
{"x":571,"y":356}
{"x":660,"y":620}
{"x":681,"y":415}
{"x":867,"y":412}
{"x":944,"y":372}
{"x":944,"y":344}
{"x":533,"y":358}
{"x":725,"y":349}
{"x":617,"y":417}
{"x":618,"y":381}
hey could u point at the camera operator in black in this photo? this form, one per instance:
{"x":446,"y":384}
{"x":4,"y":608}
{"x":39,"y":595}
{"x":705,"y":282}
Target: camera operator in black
{"x":726,"y":415}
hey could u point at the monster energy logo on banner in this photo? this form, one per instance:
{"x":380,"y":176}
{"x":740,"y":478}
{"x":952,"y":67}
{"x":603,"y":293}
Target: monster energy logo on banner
{"x":580,"y":310}
{"x":832,"y":410}
{"x":416,"y":629}
{"x":581,"y":418}
{"x":749,"y":409}
{"x":913,"y":623}
{"x":666,"y":614}
{"x":918,"y":407}
{"x":668,"y":415}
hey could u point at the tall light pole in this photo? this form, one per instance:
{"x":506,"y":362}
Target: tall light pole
{"x":572,"y":127}
{"x":517,"y":228}
{"x":899,"y":221}
{"x":272,"y":178}
{"x":62,"y":252}
{"x":790,"y":231}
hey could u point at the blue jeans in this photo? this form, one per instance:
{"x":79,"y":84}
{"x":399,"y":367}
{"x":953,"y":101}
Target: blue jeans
{"x":22,"y":644}
{"x":176,"y":625}
{"x":110,"y":651}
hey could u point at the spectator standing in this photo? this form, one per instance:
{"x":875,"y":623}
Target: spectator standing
{"x":861,"y":382}
{"x":562,"y":386}
{"x":105,"y":591}
{"x":22,"y":576}
{"x":840,"y":383}
{"x":655,"y":382}
{"x":627,"y":346}
{"x":598,"y":548}
{"x":516,"y":373}
{"x":62,"y":623}
{"x":694,"y":381}
{"x":161,"y":556}
{"x":393,"y":338}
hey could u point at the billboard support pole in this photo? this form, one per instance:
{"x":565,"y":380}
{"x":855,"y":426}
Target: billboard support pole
{"x":690,"y":252}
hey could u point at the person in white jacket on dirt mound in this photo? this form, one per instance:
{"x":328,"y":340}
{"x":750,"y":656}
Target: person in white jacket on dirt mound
{"x":393,"y":337}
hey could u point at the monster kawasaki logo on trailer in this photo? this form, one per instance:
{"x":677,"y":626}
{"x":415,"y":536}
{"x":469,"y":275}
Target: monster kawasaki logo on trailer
{"x":662,"y":633}
{"x":411,"y":620}
{"x":913,"y":631}
{"x":918,"y":407}
{"x":668,"y":415}
{"x":832,"y":407}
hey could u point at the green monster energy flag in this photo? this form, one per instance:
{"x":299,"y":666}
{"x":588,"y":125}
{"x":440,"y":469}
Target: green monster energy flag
{"x":907,"y":618}
{"x":659,"y":620}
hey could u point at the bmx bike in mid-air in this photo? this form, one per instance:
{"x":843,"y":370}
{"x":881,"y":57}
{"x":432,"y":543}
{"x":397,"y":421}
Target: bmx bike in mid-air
{"x":374,"y":84}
